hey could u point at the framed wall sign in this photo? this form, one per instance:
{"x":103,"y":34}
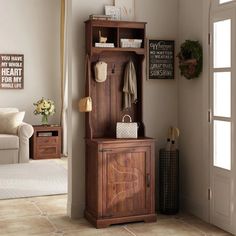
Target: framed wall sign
{"x":113,"y":11}
{"x":11,"y":71}
{"x":126,"y":9}
{"x":161,"y":59}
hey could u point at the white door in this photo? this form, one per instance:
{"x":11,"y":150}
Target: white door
{"x":223,"y":108}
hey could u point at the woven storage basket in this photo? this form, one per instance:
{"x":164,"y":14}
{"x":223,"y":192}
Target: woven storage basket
{"x":131,"y":43}
{"x":169,"y":181}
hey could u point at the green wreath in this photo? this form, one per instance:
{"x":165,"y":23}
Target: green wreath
{"x":190,"y":59}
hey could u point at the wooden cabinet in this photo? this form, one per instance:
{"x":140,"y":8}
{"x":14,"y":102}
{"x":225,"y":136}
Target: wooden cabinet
{"x":45,"y":142}
{"x":120,"y":174}
{"x":119,"y":181}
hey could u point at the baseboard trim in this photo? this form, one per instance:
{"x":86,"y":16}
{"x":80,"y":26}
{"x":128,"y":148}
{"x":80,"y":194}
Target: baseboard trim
{"x":190,"y":206}
{"x":75,"y":211}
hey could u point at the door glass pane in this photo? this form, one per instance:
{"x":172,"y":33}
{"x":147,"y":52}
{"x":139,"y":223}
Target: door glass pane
{"x":224,"y":1}
{"x":222,"y":94}
{"x":222,"y":144}
{"x":222,"y":44}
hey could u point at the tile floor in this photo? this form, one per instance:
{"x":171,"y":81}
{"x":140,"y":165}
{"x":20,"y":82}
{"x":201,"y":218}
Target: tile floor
{"x":46,"y":216}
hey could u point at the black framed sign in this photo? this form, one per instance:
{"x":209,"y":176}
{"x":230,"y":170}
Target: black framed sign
{"x":11,"y":71}
{"x":161,"y":61}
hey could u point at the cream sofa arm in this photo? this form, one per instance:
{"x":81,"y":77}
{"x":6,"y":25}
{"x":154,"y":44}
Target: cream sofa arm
{"x":25,"y":131}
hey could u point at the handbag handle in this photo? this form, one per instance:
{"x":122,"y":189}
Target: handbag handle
{"x":123,"y":119}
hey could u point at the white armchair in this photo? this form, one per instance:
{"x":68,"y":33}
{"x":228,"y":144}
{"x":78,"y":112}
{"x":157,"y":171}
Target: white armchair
{"x":15,"y":148}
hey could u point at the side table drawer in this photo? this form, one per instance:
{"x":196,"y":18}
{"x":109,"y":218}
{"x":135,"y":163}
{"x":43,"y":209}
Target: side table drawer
{"x":47,"y":151}
{"x":47,"y":140}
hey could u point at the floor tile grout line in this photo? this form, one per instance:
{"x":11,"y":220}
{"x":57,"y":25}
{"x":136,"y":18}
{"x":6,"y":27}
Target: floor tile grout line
{"x":35,"y":204}
{"x":128,"y":230}
{"x":45,"y":215}
{"x":54,"y":226}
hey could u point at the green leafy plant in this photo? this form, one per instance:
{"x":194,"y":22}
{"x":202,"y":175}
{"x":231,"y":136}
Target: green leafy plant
{"x":190,"y":59}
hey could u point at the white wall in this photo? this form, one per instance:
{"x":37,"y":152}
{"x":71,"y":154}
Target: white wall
{"x":160,"y":97}
{"x":32,"y":28}
{"x":192,"y":107}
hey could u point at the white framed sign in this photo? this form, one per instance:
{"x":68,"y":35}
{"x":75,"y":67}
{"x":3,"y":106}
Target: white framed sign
{"x":113,"y":11}
{"x":127,"y":9}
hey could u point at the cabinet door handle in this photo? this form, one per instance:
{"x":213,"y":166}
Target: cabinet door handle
{"x":148,"y":180}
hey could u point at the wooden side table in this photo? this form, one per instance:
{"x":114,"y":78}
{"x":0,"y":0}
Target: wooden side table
{"x":46,"y":142}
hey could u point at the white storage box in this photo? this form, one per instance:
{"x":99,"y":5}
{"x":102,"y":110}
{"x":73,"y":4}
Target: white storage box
{"x":131,"y":43}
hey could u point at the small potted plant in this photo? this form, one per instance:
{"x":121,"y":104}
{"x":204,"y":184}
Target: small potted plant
{"x":46,"y":108}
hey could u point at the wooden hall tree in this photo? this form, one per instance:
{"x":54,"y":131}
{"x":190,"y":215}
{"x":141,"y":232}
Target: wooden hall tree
{"x":120,"y":173}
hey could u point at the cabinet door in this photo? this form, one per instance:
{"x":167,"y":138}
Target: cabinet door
{"x":126,"y":181}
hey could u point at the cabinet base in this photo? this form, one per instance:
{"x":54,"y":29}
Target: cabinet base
{"x":105,"y":222}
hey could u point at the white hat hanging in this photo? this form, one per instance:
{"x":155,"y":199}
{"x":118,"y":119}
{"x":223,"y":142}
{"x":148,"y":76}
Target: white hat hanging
{"x":100,"y":71}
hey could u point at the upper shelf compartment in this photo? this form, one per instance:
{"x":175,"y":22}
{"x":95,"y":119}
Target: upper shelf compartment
{"x":112,"y":32}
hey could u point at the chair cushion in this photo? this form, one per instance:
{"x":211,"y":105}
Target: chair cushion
{"x":8,"y":141}
{"x":9,"y":122}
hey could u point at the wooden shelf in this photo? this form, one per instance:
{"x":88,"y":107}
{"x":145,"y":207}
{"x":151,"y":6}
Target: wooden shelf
{"x":97,"y":50}
{"x":114,"y":31}
{"x":116,"y":23}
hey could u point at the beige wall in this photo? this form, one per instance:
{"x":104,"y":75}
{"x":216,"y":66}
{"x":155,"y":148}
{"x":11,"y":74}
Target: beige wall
{"x":192,"y":108}
{"x":32,"y":28}
{"x":160,"y":97}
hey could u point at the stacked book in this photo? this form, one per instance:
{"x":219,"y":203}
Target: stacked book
{"x":100,"y":17}
{"x":44,"y":134}
{"x":104,"y":45}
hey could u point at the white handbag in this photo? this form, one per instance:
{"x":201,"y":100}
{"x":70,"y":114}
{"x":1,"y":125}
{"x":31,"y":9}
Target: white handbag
{"x":126,"y":130}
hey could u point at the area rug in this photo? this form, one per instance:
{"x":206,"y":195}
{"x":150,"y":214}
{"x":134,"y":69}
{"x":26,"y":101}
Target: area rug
{"x":32,"y":179}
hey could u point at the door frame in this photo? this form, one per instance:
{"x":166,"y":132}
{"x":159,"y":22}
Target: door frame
{"x":220,"y":12}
